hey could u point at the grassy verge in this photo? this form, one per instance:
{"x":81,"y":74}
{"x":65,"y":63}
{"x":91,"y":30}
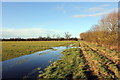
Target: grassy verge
{"x":70,"y":66}
{"x":12,"y":49}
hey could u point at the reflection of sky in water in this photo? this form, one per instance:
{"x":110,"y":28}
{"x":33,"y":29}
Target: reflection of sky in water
{"x":21,"y":66}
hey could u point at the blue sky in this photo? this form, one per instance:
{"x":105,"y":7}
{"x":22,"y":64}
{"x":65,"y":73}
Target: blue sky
{"x":34,"y":19}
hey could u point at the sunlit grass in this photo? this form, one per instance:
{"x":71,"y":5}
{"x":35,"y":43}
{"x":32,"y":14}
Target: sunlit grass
{"x":12,"y":49}
{"x":71,"y":65}
{"x":76,"y":62}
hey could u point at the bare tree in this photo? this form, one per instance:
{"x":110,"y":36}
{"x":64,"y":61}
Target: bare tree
{"x":53,"y":36}
{"x":67,"y":35}
{"x":58,"y":36}
{"x":48,"y":36}
{"x":105,"y":32}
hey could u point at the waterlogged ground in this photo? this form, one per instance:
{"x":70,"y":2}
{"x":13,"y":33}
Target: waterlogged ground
{"x":84,"y":61}
{"x":87,"y":62}
{"x":71,"y":65}
{"x":27,"y":66}
{"x":13,"y":49}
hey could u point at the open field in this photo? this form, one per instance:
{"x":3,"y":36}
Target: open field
{"x":12,"y":49}
{"x":88,"y":62}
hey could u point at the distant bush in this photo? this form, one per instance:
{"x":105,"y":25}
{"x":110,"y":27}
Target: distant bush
{"x":40,"y":39}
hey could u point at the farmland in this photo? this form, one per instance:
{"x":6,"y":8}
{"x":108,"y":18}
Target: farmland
{"x":13,"y":49}
{"x":88,"y":62}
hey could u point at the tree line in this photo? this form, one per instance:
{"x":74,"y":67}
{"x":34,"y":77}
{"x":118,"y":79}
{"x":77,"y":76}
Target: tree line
{"x":105,"y":33}
{"x":55,"y":37}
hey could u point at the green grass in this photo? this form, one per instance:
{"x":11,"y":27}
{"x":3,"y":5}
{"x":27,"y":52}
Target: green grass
{"x":12,"y":49}
{"x":77,"y":62}
{"x":71,"y":65}
{"x":101,"y":61}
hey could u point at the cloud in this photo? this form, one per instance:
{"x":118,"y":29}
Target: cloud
{"x":61,"y":8}
{"x":99,"y":8}
{"x":26,"y":33}
{"x":106,"y":5}
{"x":97,"y":14}
{"x":77,"y":7}
{"x":96,"y":9}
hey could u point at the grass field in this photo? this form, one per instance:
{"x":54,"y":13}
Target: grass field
{"x":88,"y":62}
{"x":12,"y":49}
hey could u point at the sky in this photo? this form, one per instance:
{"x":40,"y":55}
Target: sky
{"x":60,"y":0}
{"x":34,"y":19}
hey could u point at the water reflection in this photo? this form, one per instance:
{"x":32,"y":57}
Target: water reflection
{"x":24,"y":65}
{"x":22,"y":61}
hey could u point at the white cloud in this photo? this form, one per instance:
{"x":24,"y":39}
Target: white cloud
{"x":96,"y":9}
{"x":27,"y":32}
{"x":106,"y":5}
{"x":99,"y":8}
{"x":97,"y":14}
{"x":77,"y":7}
{"x":61,"y":8}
